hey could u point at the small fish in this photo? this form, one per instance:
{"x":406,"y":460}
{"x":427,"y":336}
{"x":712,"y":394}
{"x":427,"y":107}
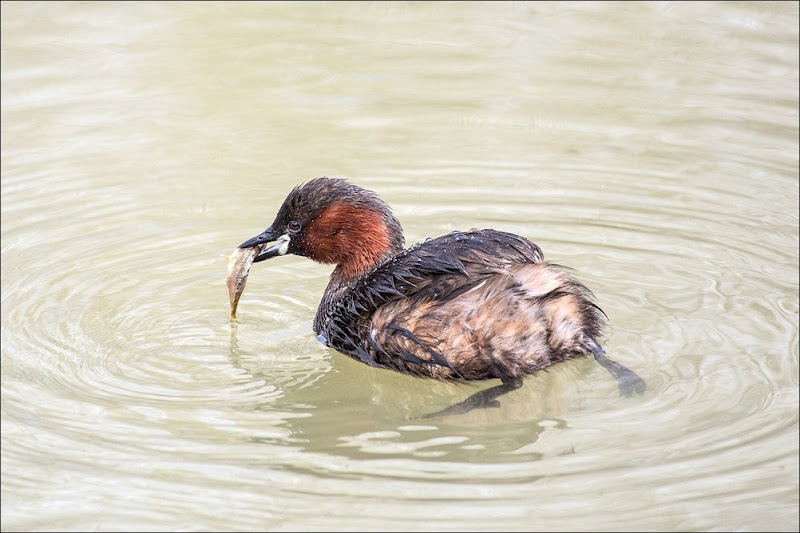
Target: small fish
{"x":239,"y":264}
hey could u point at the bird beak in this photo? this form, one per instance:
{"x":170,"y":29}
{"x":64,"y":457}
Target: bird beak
{"x":268,"y":235}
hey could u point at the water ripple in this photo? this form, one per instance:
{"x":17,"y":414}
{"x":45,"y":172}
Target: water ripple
{"x":663,"y":170}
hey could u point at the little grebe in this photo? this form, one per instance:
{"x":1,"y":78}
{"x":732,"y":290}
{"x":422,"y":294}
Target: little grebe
{"x":471,"y":305}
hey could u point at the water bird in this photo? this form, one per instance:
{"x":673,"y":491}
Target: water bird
{"x":470,"y":305}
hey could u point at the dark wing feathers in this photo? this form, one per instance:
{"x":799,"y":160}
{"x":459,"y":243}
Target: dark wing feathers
{"x":476,"y":253}
{"x":436,"y":358}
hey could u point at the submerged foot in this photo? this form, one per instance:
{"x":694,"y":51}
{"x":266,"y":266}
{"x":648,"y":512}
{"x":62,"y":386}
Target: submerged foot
{"x":628,"y":381}
{"x":479,"y":400}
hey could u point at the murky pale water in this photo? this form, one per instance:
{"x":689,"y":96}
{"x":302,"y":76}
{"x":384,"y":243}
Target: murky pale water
{"x":651,"y":146}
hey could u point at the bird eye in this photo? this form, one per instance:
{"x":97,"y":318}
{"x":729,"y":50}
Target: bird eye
{"x":293,"y":226}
